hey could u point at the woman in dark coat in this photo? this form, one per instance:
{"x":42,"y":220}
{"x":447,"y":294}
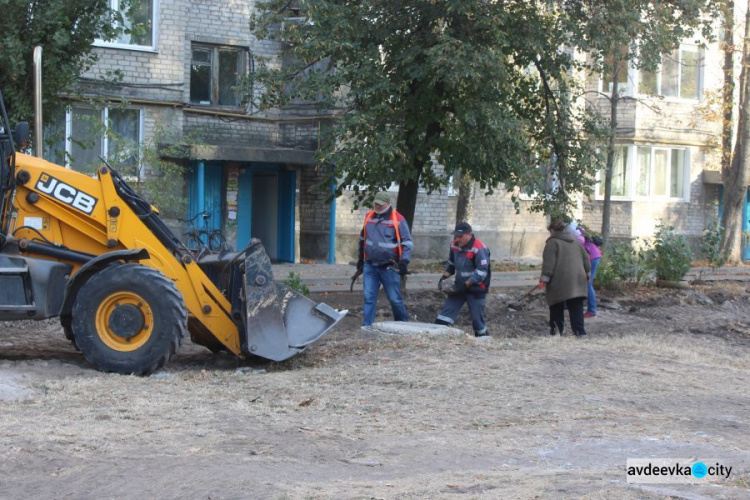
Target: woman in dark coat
{"x":565,"y":273}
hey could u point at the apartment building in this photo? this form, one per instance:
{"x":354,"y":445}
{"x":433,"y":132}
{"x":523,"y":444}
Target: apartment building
{"x":173,"y":82}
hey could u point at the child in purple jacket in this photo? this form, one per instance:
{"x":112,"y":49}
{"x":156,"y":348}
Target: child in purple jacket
{"x":595,"y":255}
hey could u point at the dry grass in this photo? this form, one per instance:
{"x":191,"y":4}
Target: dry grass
{"x":383,"y":416}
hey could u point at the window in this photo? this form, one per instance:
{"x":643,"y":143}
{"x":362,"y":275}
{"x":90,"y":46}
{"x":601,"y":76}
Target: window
{"x":79,"y":135}
{"x":620,"y":172}
{"x":139,"y":23}
{"x":648,"y":172}
{"x":214,"y":75}
{"x":679,"y":74}
{"x":621,"y":77}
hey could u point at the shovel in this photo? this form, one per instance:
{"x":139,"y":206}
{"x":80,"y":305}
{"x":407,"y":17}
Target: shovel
{"x":354,"y":279}
{"x":521,"y":303}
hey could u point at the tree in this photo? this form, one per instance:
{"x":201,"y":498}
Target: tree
{"x":66,"y":30}
{"x":735,"y":175}
{"x":422,"y":90}
{"x":465,"y":201}
{"x":621,"y":33}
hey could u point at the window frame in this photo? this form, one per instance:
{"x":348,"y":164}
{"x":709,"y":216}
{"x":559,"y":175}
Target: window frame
{"x":214,"y":73}
{"x":633,"y":170}
{"x":115,"y":5}
{"x":658,"y":72}
{"x":104,"y":116}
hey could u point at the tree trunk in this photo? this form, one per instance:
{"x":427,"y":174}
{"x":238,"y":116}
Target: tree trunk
{"x":613,"y":101}
{"x":734,"y":178}
{"x":406,"y":205}
{"x":465,"y":202}
{"x":728,"y":91}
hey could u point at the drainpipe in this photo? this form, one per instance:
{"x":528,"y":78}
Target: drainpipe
{"x":332,"y":227}
{"x":38,"y":139}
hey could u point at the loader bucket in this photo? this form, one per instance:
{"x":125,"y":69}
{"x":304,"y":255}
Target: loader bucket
{"x":279,"y":322}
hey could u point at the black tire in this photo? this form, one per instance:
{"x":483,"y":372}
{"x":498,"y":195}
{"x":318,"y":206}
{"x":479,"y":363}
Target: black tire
{"x":194,"y":244}
{"x":215,"y":241}
{"x":65,"y":322}
{"x":129,"y":319}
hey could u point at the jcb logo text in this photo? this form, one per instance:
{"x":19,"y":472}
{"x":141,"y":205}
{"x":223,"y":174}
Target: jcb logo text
{"x":66,"y":193}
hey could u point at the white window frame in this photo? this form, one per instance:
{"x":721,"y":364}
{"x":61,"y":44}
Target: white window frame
{"x":115,"y":5}
{"x":701,"y":75}
{"x":631,"y":180}
{"x":105,"y":139}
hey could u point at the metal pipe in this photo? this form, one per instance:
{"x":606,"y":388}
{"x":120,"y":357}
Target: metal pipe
{"x":332,"y":227}
{"x":50,"y":251}
{"x":38,"y":139}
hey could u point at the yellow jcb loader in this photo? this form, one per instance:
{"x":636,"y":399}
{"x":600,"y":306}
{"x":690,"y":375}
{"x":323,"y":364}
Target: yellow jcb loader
{"x":126,"y":289}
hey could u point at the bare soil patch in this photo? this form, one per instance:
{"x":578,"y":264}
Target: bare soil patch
{"x":521,"y":415}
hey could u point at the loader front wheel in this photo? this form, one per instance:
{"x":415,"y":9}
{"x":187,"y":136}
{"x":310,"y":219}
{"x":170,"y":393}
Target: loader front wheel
{"x":65,"y":322}
{"x":129,"y":319}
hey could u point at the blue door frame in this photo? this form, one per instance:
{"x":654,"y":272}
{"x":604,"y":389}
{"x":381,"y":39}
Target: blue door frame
{"x":287,"y":198}
{"x":206,"y":193}
{"x":745,"y":250}
{"x":287,"y":201}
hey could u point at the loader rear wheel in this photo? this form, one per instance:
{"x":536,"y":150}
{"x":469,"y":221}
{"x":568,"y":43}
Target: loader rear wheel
{"x":129,"y":319}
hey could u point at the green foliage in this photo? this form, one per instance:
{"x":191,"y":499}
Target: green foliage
{"x":617,"y":34}
{"x":477,"y":87}
{"x":672,"y":255}
{"x":295,"y":283}
{"x":159,"y":179}
{"x":624,"y":262}
{"x":66,"y":30}
{"x":711,"y":247}
{"x":636,"y":31}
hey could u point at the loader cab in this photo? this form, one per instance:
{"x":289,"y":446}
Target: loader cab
{"x":8,"y":143}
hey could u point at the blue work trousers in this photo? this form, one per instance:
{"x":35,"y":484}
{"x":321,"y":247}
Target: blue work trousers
{"x":476,"y":303}
{"x":374,"y":276}
{"x":591,"y":304}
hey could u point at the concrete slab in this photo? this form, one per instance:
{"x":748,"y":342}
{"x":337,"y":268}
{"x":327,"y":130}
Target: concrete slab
{"x":414,"y":328}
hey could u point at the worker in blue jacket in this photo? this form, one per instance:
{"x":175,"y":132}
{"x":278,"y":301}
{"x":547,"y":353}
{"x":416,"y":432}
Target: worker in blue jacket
{"x":384,"y":253}
{"x":469,"y":260}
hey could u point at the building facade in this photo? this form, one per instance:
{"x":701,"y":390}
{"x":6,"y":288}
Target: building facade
{"x":173,"y":81}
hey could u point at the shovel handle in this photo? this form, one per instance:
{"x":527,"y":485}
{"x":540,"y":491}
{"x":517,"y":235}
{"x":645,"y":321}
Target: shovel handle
{"x":354,"y":279}
{"x":536,"y":287}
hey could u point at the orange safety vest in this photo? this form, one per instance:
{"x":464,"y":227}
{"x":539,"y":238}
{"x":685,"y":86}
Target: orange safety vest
{"x":369,"y":216}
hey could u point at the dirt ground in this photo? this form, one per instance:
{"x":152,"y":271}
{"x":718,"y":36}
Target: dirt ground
{"x":664,"y":373}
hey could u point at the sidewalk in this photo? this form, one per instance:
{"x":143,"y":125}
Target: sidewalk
{"x":337,"y":277}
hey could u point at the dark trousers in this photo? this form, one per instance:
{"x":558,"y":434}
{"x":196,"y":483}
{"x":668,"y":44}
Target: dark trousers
{"x":575,"y":310}
{"x":453,"y":304}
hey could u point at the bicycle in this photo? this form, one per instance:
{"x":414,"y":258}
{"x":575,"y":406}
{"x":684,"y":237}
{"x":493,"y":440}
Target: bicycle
{"x":200,"y":241}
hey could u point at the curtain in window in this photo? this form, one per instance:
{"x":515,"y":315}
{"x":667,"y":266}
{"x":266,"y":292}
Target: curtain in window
{"x":677,"y":174}
{"x":620,"y":172}
{"x":690,"y":66}
{"x":644,"y":171}
{"x":661,"y":164}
